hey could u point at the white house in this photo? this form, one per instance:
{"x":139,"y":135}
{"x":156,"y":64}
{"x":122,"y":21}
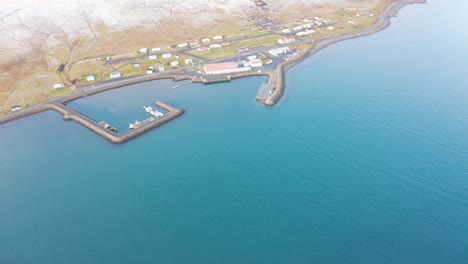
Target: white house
{"x":305,"y":33}
{"x":188,"y":61}
{"x":279,"y":51}
{"x":90,"y":78}
{"x":155,"y":49}
{"x":242,"y":49}
{"x":252,"y":57}
{"x":256,"y":63}
{"x":216,"y":46}
{"x":203,"y":48}
{"x":143,"y":50}
{"x":194,"y":43}
{"x":161,"y":69}
{"x":182,"y":45}
{"x":226,"y":43}
{"x":166,"y":55}
{"x":174,"y":63}
{"x":219,"y":37}
{"x":297,"y":28}
{"x":286,"y":30}
{"x":59,"y":86}
{"x":206,"y":40}
{"x":15,"y":108}
{"x":152,"y":57}
{"x":115,"y":75}
{"x":136,"y":65}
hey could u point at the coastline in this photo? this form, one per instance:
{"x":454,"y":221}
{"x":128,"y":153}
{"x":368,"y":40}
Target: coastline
{"x":283,"y":67}
{"x":87,"y":91}
{"x":276,"y":77}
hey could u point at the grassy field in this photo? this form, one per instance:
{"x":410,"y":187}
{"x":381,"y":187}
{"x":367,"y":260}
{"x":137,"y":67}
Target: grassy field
{"x":225,"y":52}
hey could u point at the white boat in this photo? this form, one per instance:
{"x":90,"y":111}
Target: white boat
{"x":157,"y":114}
{"x":132,"y":126}
{"x":148,"y":108}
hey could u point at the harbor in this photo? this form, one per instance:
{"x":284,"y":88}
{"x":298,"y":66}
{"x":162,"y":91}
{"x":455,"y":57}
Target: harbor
{"x":108,"y":132}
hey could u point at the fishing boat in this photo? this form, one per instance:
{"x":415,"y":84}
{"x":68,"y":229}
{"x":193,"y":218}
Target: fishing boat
{"x":148,"y":109}
{"x":133,"y":126}
{"x":157,"y":114}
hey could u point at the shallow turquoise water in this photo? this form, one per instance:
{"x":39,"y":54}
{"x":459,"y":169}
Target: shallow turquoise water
{"x":364,"y":161}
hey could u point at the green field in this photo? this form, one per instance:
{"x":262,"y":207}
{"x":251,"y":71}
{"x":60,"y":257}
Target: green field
{"x":212,"y":54}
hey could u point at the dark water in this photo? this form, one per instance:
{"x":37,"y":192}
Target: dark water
{"x":364,"y":161}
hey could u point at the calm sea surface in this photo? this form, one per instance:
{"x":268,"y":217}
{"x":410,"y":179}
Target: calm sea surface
{"x":364,"y":161}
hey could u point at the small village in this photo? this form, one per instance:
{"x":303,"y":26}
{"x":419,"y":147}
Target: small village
{"x":210,"y":56}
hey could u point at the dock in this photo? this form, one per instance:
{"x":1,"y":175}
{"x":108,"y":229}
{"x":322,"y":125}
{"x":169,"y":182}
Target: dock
{"x":107,"y":126}
{"x":143,"y":123}
{"x":216,"y":79}
{"x":182,"y":85}
{"x":100,"y":127}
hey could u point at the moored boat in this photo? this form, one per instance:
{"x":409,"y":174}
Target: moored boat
{"x":133,"y":126}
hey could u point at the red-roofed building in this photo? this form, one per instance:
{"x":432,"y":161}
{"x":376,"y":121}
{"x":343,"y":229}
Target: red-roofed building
{"x":286,"y":40}
{"x":224,"y":67}
{"x":204,"y":48}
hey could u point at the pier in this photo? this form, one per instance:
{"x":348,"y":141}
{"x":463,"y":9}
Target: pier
{"x":182,"y":85}
{"x":100,"y":127}
{"x":216,"y":79}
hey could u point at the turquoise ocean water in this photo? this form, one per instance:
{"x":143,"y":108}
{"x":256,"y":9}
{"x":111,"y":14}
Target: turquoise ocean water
{"x":365,"y":160}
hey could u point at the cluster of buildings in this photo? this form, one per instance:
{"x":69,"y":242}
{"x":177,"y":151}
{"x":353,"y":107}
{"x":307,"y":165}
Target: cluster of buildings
{"x":298,"y":28}
{"x":233,"y":67}
{"x":213,"y":46}
{"x":202,"y":45}
{"x":305,"y":33}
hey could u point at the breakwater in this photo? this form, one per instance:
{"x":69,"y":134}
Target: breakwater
{"x":284,"y":66}
{"x":72,"y":115}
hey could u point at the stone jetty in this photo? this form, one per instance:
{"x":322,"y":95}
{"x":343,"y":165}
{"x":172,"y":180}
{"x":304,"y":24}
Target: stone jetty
{"x":72,"y":115}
